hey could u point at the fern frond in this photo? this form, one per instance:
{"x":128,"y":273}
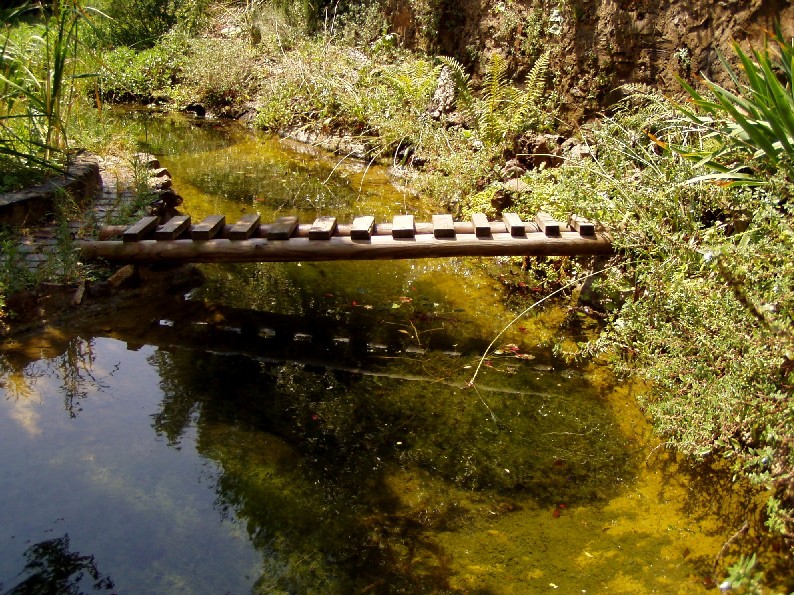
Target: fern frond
{"x":536,"y":79}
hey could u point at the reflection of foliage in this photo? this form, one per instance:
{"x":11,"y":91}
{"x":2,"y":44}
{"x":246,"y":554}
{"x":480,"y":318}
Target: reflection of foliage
{"x":75,"y":367}
{"x":52,"y":568}
{"x":293,"y":443}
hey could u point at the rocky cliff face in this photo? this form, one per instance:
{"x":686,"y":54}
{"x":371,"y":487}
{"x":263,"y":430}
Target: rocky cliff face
{"x":596,"y":45}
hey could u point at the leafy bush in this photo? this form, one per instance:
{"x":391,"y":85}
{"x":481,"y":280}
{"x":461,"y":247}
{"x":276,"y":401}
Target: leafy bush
{"x":129,"y":75}
{"x":702,"y":297}
{"x":141,"y":23}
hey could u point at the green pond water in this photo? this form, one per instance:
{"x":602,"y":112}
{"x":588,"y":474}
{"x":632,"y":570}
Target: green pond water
{"x":308,"y":428}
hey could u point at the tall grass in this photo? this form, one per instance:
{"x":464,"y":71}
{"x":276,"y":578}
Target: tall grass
{"x":38,"y":71}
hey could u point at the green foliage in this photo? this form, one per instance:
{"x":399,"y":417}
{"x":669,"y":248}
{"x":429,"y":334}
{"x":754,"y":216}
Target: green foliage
{"x":127,"y":74}
{"x":702,"y":304}
{"x":14,"y":274}
{"x":743,"y":578}
{"x":38,"y":69}
{"x":749,"y":132}
{"x":141,"y":23}
{"x":504,"y":112}
{"x":221,"y":72}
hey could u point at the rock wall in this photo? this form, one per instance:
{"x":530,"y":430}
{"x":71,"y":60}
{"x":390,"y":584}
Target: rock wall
{"x":596,"y":45}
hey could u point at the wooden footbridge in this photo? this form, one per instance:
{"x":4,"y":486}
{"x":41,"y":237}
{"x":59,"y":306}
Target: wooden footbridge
{"x":286,"y":240}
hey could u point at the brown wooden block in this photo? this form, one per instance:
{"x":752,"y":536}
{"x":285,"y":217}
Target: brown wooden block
{"x":282,"y":229}
{"x":514,"y":224}
{"x":403,"y":226}
{"x":547,"y":224}
{"x":362,"y":227}
{"x":173,"y":228}
{"x":208,"y":228}
{"x":443,"y":226}
{"x":245,"y":227}
{"x":582,"y":225}
{"x":482,"y":228}
{"x":322,"y":228}
{"x":140,"y":230}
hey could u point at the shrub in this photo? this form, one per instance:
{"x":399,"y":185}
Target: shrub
{"x":141,"y":23}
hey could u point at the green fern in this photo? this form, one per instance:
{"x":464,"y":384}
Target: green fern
{"x":505,"y":112}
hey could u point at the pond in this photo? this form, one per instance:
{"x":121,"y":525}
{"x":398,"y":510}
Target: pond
{"x":310,"y":427}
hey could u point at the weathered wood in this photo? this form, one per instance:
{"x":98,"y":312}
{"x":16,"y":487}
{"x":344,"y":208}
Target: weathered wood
{"x":361,"y":231}
{"x":282,"y":229}
{"x":173,"y":228}
{"x":568,"y":243}
{"x":208,"y":228}
{"x":443,"y":226}
{"x":140,"y":230}
{"x":582,"y":225}
{"x":547,"y":224}
{"x":245,"y":227}
{"x":482,"y":229}
{"x":322,"y":228}
{"x":514,"y":224}
{"x":403,"y":227}
{"x":362,"y":227}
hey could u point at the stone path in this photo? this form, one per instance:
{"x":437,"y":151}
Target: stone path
{"x":46,"y":252}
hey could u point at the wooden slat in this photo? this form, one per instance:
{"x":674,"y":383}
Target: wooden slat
{"x":582,"y":225}
{"x":568,"y":243}
{"x":141,"y":229}
{"x":322,"y":228}
{"x":208,"y":228}
{"x":482,"y":229}
{"x":547,"y":224}
{"x":443,"y":226}
{"x":362,"y":227}
{"x":173,"y":228}
{"x":514,"y":224}
{"x":282,"y":229}
{"x":245,"y":227}
{"x":403,"y":226}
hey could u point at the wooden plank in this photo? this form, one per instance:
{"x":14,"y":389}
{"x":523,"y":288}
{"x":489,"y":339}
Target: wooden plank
{"x":245,"y":227}
{"x":141,"y":229}
{"x":443,"y":226}
{"x":547,"y":224}
{"x":208,"y":228}
{"x":514,"y":224}
{"x":173,"y":228}
{"x":282,"y":229}
{"x":568,"y":243}
{"x":582,"y":225}
{"x":322,"y":228}
{"x":403,"y":226}
{"x":362,"y":227}
{"x":482,"y":229}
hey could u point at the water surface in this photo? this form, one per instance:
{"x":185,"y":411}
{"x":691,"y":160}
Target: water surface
{"x":311,"y":427}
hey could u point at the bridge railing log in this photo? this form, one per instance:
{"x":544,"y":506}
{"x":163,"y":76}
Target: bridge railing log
{"x":286,"y":240}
